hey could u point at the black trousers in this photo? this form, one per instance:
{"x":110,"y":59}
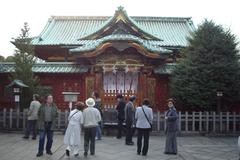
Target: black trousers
{"x":31,"y":127}
{"x":120,"y":128}
{"x":129,"y":132}
{"x":89,"y":137}
{"x":143,"y":133}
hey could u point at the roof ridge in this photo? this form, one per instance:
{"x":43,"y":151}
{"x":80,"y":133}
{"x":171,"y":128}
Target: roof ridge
{"x":107,"y":17}
{"x":80,"y":17}
{"x":161,"y":18}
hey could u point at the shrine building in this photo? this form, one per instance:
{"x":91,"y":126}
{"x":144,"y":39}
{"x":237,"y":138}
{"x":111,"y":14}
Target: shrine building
{"x":117,"y":54}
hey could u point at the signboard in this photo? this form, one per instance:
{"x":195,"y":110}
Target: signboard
{"x":16,"y":90}
{"x":16,"y":98}
{"x":70,"y":96}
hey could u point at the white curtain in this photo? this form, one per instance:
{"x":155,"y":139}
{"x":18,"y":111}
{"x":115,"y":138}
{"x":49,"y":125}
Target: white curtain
{"x":120,"y":81}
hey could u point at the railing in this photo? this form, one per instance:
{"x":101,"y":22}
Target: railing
{"x":193,"y":122}
{"x":109,"y":97}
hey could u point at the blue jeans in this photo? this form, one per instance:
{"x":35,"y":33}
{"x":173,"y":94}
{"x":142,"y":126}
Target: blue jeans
{"x":42,"y":133}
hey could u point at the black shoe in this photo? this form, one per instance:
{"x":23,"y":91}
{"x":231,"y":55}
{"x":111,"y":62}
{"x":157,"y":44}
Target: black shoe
{"x":76,"y":155}
{"x":49,"y":153}
{"x":130,"y":143}
{"x":25,"y":137}
{"x":144,"y":154}
{"x":138,"y":153}
{"x":33,"y":138}
{"x":170,"y":153}
{"x":85,"y":154}
{"x":67,"y":153}
{"x":39,"y":154}
{"x":92,"y":154}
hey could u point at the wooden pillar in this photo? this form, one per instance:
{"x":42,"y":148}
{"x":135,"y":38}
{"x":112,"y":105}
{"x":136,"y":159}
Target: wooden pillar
{"x":98,"y":82}
{"x":142,"y":88}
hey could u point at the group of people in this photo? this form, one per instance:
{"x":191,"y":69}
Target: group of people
{"x":89,"y":116}
{"x":141,"y":119}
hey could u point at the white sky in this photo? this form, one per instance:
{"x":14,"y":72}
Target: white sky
{"x":13,"y":13}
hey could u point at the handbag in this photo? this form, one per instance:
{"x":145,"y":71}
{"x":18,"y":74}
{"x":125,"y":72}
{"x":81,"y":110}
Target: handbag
{"x":147,"y":120}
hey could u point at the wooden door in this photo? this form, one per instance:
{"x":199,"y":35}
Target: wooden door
{"x":151,"y":87}
{"x":89,"y":82}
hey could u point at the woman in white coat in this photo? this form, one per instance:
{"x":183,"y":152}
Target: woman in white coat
{"x":72,"y":136}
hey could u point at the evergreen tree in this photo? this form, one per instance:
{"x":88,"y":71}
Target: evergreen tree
{"x":210,"y":64}
{"x":24,"y":60}
{"x":2,"y":59}
{"x":9,"y":59}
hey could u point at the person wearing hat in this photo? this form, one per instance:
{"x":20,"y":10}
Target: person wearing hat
{"x":120,"y":114}
{"x":98,"y":105}
{"x":129,"y":119}
{"x":72,"y":136}
{"x":91,"y":118}
{"x":171,"y":128}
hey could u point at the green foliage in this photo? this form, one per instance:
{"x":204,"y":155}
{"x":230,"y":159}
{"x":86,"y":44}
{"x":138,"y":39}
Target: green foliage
{"x":9,"y":59}
{"x":210,"y":64}
{"x":2,"y":59}
{"x":24,"y":60}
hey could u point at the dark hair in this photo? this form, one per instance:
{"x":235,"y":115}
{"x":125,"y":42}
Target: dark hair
{"x":146,"y":102}
{"x":132,"y":98}
{"x":96,"y":94}
{"x":79,"y":105}
{"x":36,"y":97}
{"x":170,"y":100}
{"x":46,"y":96}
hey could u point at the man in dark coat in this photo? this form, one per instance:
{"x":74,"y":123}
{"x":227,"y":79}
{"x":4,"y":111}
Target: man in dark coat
{"x":130,"y":116}
{"x":171,"y":129}
{"x":120,"y":114}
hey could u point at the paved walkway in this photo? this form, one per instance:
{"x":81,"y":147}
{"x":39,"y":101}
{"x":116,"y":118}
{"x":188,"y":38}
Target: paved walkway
{"x":13,"y":147}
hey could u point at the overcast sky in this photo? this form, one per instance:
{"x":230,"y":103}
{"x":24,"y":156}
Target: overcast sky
{"x":13,"y":13}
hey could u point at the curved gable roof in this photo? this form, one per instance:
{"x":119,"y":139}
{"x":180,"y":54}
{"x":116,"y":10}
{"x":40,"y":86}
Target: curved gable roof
{"x":73,"y":30}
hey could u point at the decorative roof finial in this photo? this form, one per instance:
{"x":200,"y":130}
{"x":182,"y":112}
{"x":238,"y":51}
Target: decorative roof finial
{"x":120,"y":8}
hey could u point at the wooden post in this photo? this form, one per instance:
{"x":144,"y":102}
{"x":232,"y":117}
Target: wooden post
{"x":193,"y":121}
{"x":158,"y":121}
{"x":179,"y":121}
{"x":200,"y":121}
{"x":221,"y":122}
{"x":165,"y":124}
{"x":59,"y":120}
{"x":234,"y":122}
{"x":186,"y":121}
{"x":66,"y":119}
{"x":4,"y":117}
{"x":227,"y":121}
{"x":10,"y":118}
{"x":17,"y":118}
{"x":214,"y":122}
{"x":207,"y":121}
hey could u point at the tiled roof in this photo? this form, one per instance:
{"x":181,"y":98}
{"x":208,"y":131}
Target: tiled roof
{"x":67,"y":30}
{"x":152,"y":46}
{"x":48,"y":67}
{"x":70,"y":67}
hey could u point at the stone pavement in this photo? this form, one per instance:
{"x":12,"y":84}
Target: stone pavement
{"x":13,"y":147}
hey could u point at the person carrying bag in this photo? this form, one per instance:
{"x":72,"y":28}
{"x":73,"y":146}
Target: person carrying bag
{"x":144,"y":117}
